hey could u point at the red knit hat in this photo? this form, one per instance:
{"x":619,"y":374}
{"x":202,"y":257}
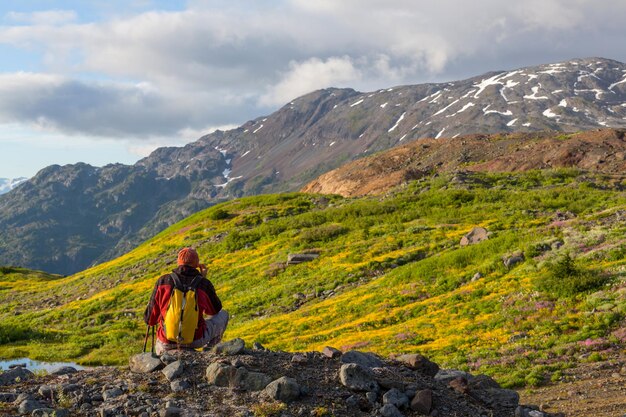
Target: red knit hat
{"x":188,"y":256}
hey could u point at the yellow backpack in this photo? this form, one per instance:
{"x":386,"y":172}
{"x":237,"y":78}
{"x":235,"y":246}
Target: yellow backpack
{"x":181,"y":318}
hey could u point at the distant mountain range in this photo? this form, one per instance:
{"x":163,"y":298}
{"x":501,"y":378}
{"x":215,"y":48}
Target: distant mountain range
{"x":68,"y":217}
{"x":7,"y":184}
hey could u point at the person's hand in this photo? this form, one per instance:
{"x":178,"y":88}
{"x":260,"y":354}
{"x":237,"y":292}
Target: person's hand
{"x":203,"y":270}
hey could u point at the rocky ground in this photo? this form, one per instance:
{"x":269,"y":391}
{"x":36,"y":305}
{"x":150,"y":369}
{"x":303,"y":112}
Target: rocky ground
{"x":234,"y":381}
{"x":589,"y":390}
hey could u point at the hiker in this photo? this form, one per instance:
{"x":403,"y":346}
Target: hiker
{"x":178,"y":305}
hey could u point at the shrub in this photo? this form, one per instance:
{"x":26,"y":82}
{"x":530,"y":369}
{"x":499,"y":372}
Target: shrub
{"x":566,"y":278}
{"x":218,"y":214}
{"x":322,"y":234}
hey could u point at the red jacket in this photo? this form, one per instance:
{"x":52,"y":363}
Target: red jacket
{"x":208,"y":301}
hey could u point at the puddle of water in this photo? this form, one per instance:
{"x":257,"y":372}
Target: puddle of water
{"x":32,"y":365}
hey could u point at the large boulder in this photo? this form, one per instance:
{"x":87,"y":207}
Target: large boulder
{"x":357,"y":377}
{"x":173,"y":370}
{"x":144,"y":363}
{"x":251,"y":381}
{"x":476,"y":235}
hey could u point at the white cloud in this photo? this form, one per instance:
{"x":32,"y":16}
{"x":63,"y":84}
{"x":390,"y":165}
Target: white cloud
{"x":219,"y":64}
{"x":45,"y":18}
{"x":310,"y":75}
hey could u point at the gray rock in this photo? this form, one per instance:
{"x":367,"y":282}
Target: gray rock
{"x":258,"y":346}
{"x":331,"y":352}
{"x":51,"y":412}
{"x":397,"y":398}
{"x":15,"y":375}
{"x":296,"y":258}
{"x":422,"y":402}
{"x":180,"y":385}
{"x":372,"y":397}
{"x":112,"y":393}
{"x":173,"y":370}
{"x":220,"y":374}
{"x":352,"y":402}
{"x":64,"y":370}
{"x":513,"y":260}
{"x":477,"y":276}
{"x":251,"y":381}
{"x":231,"y":347}
{"x":145,"y":363}
{"x":299,"y":358}
{"x":28,"y":406}
{"x":447,"y":375}
{"x":390,"y":410}
{"x":476,"y":235}
{"x":167,"y":358}
{"x":171,"y":412}
{"x":47,"y":391}
{"x":419,"y":363}
{"x":367,"y":360}
{"x":283,"y":389}
{"x":357,"y":377}
{"x":7,"y":397}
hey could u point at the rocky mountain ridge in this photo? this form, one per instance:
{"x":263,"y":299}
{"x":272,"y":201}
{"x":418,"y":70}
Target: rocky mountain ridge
{"x":602,"y":151}
{"x":67,"y":218}
{"x":234,"y":381}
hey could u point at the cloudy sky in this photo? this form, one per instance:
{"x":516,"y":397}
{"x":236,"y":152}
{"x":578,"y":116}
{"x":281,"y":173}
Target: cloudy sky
{"x":105,"y":81}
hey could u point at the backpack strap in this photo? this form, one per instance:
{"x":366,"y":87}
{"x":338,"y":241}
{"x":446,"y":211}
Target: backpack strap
{"x":196,"y":282}
{"x":177,"y":283}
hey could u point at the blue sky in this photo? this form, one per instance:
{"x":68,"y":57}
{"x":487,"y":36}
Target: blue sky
{"x":109,"y":81}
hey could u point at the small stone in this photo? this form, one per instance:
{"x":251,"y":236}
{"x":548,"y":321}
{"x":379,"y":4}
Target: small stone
{"x":419,"y":363}
{"x":331,"y":352}
{"x":367,"y":360}
{"x":447,"y":375}
{"x":251,"y":381}
{"x":46,"y":391}
{"x":299,"y":358}
{"x":397,"y":398}
{"x":167,"y":358}
{"x":220,"y":374}
{"x":372,"y":397}
{"x":357,"y":378}
{"x":64,"y":370}
{"x":171,"y":412}
{"x":173,"y":370}
{"x":352,"y":402}
{"x":536,"y":413}
{"x":232,"y":347}
{"x":257,"y":346}
{"x":15,"y":375}
{"x":283,"y":389}
{"x":422,"y":402}
{"x":511,"y":261}
{"x":7,"y":397}
{"x":459,"y":384}
{"x":477,"y":276}
{"x":145,"y":363}
{"x":50,"y":412}
{"x":28,"y":406}
{"x":112,"y":393}
{"x":390,"y":410}
{"x":180,"y":385}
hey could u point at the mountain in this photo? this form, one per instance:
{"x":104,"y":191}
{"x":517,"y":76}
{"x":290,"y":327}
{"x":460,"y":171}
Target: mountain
{"x":544,"y":292}
{"x":7,"y":184}
{"x":602,"y":151}
{"x":67,"y":218}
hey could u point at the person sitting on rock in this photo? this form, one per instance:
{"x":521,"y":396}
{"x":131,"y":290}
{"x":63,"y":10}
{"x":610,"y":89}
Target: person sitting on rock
{"x":190,"y":274}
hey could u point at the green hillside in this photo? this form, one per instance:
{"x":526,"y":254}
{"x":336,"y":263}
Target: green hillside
{"x":391,"y":277}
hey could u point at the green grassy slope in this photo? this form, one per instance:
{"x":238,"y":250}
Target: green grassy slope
{"x":391,"y":277}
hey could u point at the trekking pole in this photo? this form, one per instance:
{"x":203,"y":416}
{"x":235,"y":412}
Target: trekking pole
{"x":145,"y":341}
{"x":152,"y":350}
